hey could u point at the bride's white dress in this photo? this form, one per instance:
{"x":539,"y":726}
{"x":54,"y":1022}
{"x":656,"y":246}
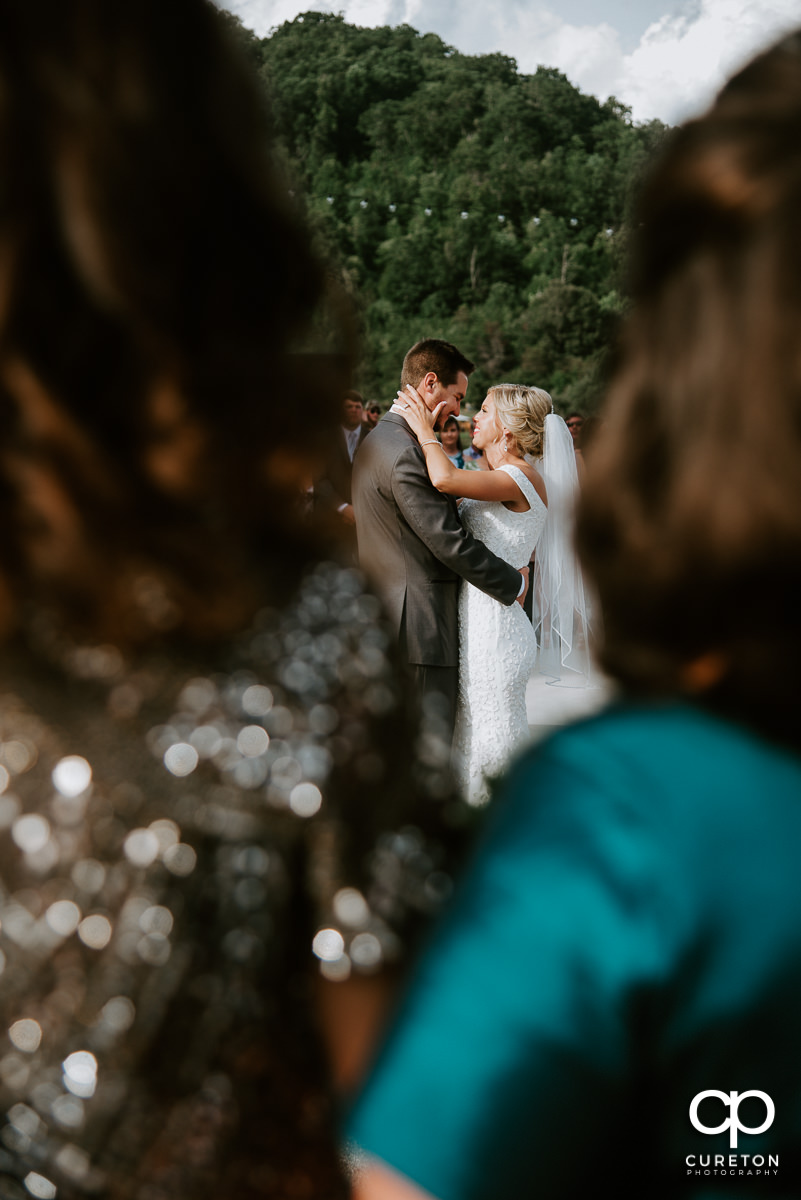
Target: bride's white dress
{"x":497,"y":646}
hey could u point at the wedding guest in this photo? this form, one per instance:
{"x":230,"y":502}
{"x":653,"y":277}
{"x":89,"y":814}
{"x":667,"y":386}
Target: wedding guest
{"x":451,"y":439}
{"x":575,"y":423}
{"x":332,"y":489}
{"x":372,"y":415}
{"x":208,"y":775}
{"x":352,"y":420}
{"x":616,"y":988}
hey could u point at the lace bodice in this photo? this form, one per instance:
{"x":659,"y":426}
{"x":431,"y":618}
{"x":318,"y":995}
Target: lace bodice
{"x":497,"y":647}
{"x":510,"y":535}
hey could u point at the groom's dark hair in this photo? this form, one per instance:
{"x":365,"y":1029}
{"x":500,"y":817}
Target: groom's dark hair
{"x":434,"y":355}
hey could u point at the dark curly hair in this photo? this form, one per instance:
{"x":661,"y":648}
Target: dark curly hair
{"x":154,"y":278}
{"x":690,"y":518}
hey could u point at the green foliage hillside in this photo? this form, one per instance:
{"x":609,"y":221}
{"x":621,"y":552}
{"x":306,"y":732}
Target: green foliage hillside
{"x":459,"y":198}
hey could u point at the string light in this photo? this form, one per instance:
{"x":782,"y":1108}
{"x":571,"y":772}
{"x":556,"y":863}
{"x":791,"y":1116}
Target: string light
{"x":464,"y":214}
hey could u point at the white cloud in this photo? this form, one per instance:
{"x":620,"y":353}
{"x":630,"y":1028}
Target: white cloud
{"x":588,"y":54}
{"x":259,"y":15}
{"x":264,"y":15}
{"x":676,"y":69}
{"x":680,"y":62}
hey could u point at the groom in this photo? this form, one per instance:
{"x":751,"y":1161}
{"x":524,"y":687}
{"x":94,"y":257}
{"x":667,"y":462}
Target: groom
{"x":411,"y":544}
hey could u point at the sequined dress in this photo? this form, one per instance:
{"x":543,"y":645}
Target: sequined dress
{"x":177,"y":849}
{"x":497,"y":647}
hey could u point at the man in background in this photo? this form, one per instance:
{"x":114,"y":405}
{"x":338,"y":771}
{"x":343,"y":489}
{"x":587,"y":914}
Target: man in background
{"x":332,"y":491}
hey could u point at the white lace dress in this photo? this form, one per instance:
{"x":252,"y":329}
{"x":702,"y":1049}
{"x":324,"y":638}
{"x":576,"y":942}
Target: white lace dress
{"x":497,"y":647}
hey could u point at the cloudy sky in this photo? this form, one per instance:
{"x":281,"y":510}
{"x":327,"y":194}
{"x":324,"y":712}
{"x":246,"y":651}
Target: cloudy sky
{"x":664,"y":58}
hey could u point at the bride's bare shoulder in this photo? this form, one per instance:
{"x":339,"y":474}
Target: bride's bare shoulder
{"x":534,"y":477}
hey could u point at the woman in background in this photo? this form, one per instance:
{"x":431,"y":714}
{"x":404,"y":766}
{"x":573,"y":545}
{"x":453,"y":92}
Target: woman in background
{"x":623,"y":961}
{"x":198,"y":716}
{"x":474,"y":458}
{"x":451,"y":439}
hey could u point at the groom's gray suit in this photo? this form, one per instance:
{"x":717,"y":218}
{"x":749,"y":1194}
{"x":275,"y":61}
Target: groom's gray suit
{"x":414,"y":550}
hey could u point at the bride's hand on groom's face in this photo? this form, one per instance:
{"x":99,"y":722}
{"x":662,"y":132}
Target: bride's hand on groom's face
{"x":421,"y":421}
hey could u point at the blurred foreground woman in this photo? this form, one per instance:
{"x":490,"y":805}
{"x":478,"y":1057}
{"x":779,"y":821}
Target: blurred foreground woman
{"x":196,"y":716}
{"x":629,"y":936}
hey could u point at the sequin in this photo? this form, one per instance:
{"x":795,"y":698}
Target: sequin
{"x":63,"y":917}
{"x":72,"y":775}
{"x":80,"y":1073}
{"x":206,"y":739}
{"x":365,"y":951}
{"x":154,"y":948}
{"x":73,"y":1162}
{"x":89,"y":875}
{"x":172,"y":842}
{"x":9,"y":810}
{"x":166,"y":832}
{"x":39,"y":1186}
{"x":157,"y":919}
{"x":95,"y":931}
{"x":328,"y":944}
{"x":141,"y":846}
{"x":68,"y":1111}
{"x":257,"y":700}
{"x":350,"y":907}
{"x":31,"y":832}
{"x":118,"y":1013}
{"x":26,"y":1035}
{"x":180,"y":860}
{"x":305,"y":799}
{"x":181,"y":759}
{"x":26,"y":1121}
{"x":252,"y":741}
{"x":18,"y":756}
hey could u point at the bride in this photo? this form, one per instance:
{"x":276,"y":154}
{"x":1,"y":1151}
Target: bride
{"x":513,"y":508}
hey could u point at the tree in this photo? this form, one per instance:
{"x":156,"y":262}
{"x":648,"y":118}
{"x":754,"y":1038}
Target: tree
{"x":459,"y":197}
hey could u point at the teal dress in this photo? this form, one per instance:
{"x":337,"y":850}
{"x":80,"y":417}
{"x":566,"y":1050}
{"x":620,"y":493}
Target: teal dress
{"x":629,"y":936}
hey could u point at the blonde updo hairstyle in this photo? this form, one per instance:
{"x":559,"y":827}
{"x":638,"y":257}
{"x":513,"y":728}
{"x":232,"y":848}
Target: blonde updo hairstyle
{"x":522,"y":411}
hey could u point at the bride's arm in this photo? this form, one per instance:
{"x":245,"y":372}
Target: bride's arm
{"x":473,"y":485}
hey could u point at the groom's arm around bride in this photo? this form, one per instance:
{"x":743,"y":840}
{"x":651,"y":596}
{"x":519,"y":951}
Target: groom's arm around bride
{"x":411,"y":543}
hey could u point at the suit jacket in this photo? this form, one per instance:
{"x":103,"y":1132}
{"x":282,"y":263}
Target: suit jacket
{"x":413,"y":548}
